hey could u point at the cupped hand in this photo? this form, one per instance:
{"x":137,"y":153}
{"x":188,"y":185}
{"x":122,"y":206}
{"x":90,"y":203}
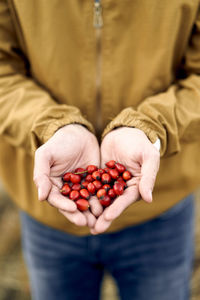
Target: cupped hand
{"x":70,"y":147}
{"x":132,"y":148}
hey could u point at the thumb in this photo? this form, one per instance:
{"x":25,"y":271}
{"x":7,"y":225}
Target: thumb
{"x":41,"y":174}
{"x":149,"y":171}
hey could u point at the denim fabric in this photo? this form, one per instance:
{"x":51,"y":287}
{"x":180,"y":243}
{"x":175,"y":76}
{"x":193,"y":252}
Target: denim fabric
{"x":152,"y":260}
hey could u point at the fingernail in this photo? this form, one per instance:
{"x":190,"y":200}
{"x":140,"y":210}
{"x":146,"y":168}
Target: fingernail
{"x":150,"y":197}
{"x":39,"y":194}
{"x":92,"y":231}
{"x":109,"y":216}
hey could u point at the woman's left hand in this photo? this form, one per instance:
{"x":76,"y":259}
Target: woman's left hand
{"x":132,"y":148}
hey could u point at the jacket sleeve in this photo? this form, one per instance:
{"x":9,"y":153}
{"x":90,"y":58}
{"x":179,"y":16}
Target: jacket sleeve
{"x":174,"y":115}
{"x":29,"y":116}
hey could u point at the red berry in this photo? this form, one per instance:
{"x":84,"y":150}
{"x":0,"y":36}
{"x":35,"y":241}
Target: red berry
{"x":78,"y":170}
{"x":76,"y":187}
{"x":82,"y":204}
{"x":120,"y":168}
{"x":106,"y":178}
{"x":74,"y":195}
{"x":75,"y":178}
{"x":114,"y":173}
{"x":67,"y":176}
{"x":89,"y":178}
{"x":106,"y":201}
{"x":101,"y":193}
{"x":111,"y":193}
{"x":111,"y":164}
{"x":120,"y":179}
{"x":101,"y":171}
{"x":84,"y":194}
{"x":91,"y":168}
{"x":96,"y":175}
{"x":126,"y":175}
{"x":82,"y":172}
{"x":97,"y":184}
{"x":118,"y":188}
{"x":107,"y":170}
{"x":65,"y":189}
{"x":84,"y":184}
{"x":106,"y":187}
{"x":91,"y":188}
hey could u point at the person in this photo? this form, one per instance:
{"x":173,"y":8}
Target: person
{"x":131,"y":79}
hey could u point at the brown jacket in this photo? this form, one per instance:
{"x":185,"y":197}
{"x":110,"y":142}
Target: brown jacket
{"x":150,"y":79}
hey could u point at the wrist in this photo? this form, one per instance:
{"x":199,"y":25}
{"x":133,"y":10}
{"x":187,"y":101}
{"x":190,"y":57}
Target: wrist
{"x":157,"y":144}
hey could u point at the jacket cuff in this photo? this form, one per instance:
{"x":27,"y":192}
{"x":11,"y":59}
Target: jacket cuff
{"x":53,"y":119}
{"x":54,"y":125}
{"x":131,"y":118}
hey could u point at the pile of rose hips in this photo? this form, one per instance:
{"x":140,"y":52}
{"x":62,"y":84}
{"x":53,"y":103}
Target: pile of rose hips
{"x":106,"y":184}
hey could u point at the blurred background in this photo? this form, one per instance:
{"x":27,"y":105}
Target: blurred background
{"x":13,"y":277}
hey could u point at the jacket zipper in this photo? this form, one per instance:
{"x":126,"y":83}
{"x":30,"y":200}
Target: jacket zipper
{"x":98,"y":20}
{"x":98,"y":23}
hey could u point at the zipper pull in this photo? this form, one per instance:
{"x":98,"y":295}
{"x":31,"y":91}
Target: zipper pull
{"x":98,"y":20}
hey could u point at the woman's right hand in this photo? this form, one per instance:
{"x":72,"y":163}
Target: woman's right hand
{"x":72,"y":146}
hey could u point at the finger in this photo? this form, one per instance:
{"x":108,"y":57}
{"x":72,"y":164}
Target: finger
{"x":91,"y":220}
{"x":101,"y":225}
{"x":114,"y":210}
{"x":149,"y":171}
{"x":133,"y":181}
{"x":95,"y":206}
{"x":76,"y":217}
{"x":129,"y":196}
{"x":59,"y":201}
{"x":57,"y":181}
{"x":41,"y":174}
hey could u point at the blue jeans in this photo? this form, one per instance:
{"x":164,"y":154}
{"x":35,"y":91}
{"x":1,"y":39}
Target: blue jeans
{"x":152,"y":260}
